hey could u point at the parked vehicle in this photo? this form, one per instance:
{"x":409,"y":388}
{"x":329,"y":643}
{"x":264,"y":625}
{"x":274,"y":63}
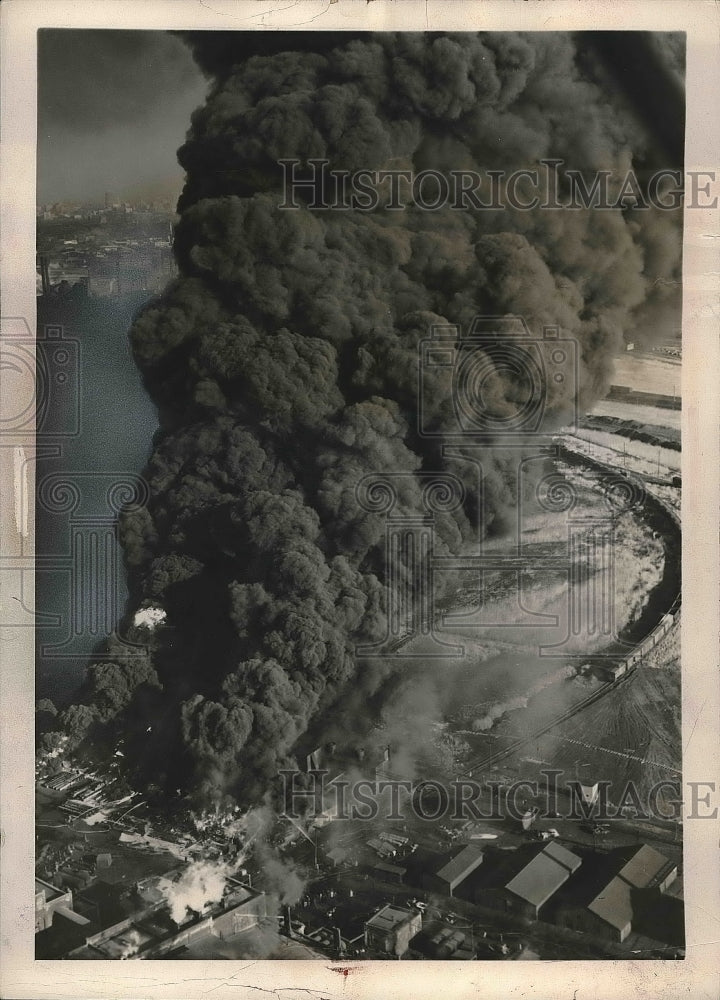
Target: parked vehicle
{"x":598,"y":829}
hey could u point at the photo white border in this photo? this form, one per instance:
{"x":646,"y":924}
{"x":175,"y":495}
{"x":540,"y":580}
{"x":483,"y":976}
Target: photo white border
{"x":697,"y":976}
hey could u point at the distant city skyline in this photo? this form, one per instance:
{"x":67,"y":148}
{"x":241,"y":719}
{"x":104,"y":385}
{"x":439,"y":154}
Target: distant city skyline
{"x":113,"y":108}
{"x":102,"y":203}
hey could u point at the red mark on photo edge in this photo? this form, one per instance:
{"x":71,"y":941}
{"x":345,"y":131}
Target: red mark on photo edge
{"x":344,"y":971}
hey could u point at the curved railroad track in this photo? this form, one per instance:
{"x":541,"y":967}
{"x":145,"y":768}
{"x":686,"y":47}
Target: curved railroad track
{"x":649,"y":640}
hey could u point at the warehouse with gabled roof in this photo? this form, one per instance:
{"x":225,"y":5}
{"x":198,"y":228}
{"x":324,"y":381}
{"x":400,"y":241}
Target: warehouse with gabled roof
{"x":537,"y":881}
{"x":453,"y":873}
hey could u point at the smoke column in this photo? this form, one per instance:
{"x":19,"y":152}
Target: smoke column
{"x":283,"y":361}
{"x":200,"y":885}
{"x":498,"y":710}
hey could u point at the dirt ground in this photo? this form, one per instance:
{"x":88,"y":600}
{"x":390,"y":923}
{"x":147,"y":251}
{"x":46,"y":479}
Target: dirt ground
{"x":648,"y":374}
{"x":632,"y":734}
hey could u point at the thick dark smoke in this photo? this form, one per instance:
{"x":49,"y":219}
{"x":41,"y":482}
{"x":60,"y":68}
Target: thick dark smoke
{"x":284,"y":360}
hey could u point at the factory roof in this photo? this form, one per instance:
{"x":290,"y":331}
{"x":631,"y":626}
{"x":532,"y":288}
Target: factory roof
{"x":644,"y":867}
{"x":461,"y":865}
{"x":389,"y":869}
{"x":613,"y":904}
{"x":538,"y":880}
{"x":153,"y":926}
{"x":563,"y":857}
{"x":389,"y":917}
{"x":51,"y":891}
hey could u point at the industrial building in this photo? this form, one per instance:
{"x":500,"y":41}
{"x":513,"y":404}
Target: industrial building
{"x":58,"y":928}
{"x":337,"y":855}
{"x":50,"y":900}
{"x":453,"y":873}
{"x":661,"y":915}
{"x":389,"y":873}
{"x":152,"y":933}
{"x":562,"y":856}
{"x":610,"y":913}
{"x":522,"y":881}
{"x":391,"y":929}
{"x":620,"y":896}
{"x":440,"y":942}
{"x":648,"y":869}
{"x":537,"y":881}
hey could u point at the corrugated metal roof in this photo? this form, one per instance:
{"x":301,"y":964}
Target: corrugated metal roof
{"x":613,"y":904}
{"x":538,"y":880}
{"x":461,"y":865}
{"x":643,"y":867}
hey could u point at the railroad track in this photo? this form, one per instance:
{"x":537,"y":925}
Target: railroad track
{"x":523,"y":741}
{"x":599,"y":466}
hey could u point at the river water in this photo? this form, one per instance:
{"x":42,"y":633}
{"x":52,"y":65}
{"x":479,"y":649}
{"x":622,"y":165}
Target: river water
{"x":115,"y":421}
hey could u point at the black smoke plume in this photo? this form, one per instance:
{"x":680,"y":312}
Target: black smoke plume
{"x":284,"y":359}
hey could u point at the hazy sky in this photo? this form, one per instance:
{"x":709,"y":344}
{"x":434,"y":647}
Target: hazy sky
{"x":113,"y":107}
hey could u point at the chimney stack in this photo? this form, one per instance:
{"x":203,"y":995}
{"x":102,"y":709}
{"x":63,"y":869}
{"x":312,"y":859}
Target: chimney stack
{"x":44,"y":273}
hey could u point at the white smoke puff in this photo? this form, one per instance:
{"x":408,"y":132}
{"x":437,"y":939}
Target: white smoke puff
{"x":283,"y":880}
{"x":502,"y":708}
{"x":201,"y":884}
{"x":130,"y":943}
{"x":149,"y":617}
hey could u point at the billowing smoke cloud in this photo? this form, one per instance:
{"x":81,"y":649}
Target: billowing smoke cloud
{"x":284,"y":358}
{"x":201,"y":884}
{"x":280,"y":878}
{"x":502,"y":708}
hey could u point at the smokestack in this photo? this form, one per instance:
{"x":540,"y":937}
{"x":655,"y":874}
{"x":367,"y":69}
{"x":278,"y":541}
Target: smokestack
{"x":338,"y":941}
{"x":287,"y":922}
